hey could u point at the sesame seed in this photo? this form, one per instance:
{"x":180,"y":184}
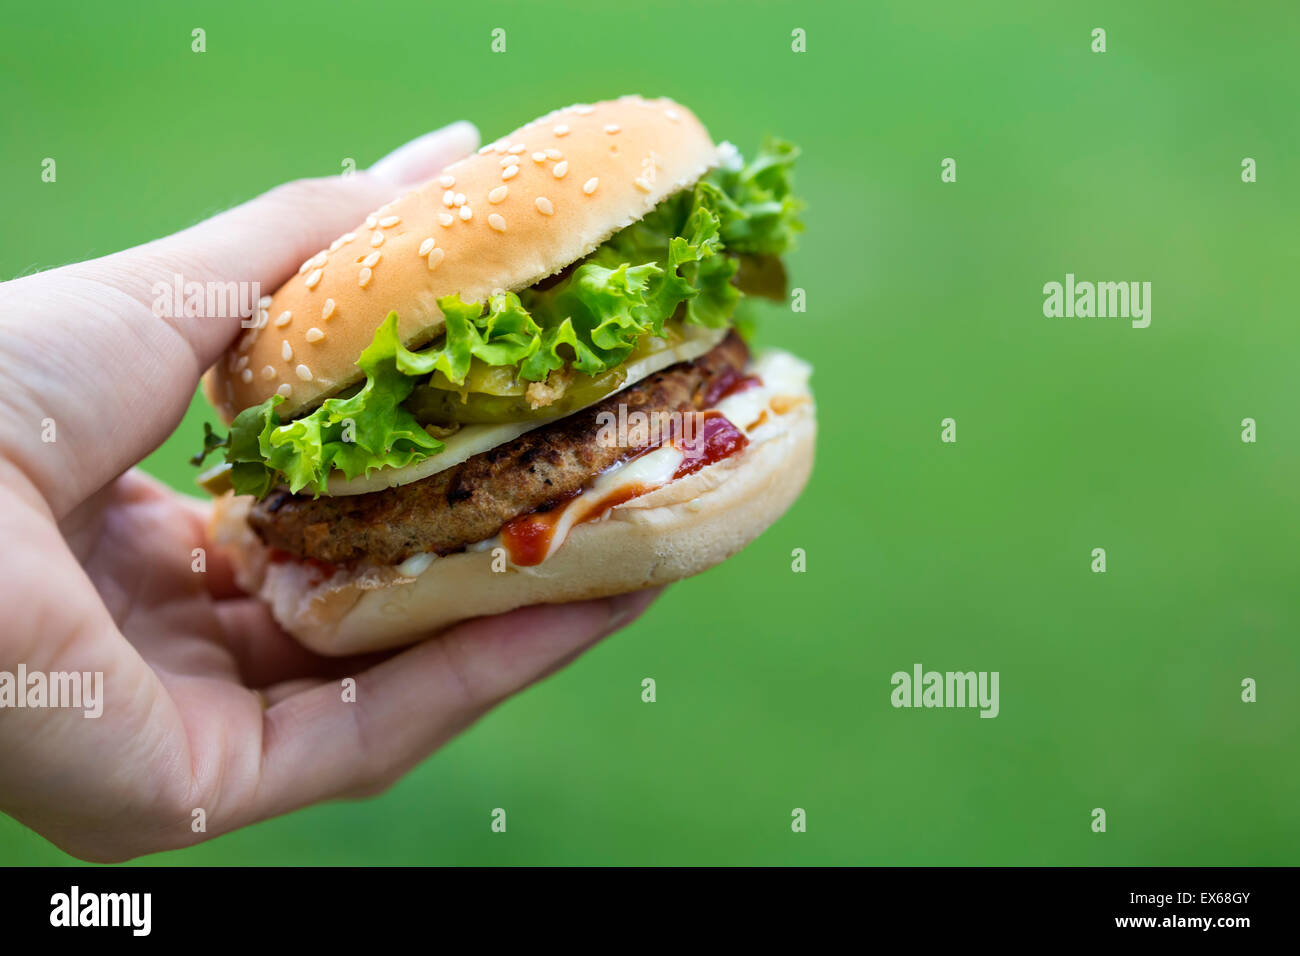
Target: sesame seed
{"x":284,"y":390}
{"x":349,"y":236}
{"x":497,"y":222}
{"x":448,"y":181}
{"x":481,"y":151}
{"x":446,"y":218}
{"x":673,"y":115}
{"x":334,"y":246}
{"x":460,"y":199}
{"x":517,"y":148}
{"x":539,"y":157}
{"x":590,"y":185}
{"x":283,"y":319}
{"x":466,"y":213}
{"x":389,"y":221}
{"x":612,"y":128}
{"x":560,"y":168}
{"x":449,"y":199}
{"x":313,"y":278}
{"x":263,"y":317}
{"x":509,"y":172}
{"x":499,"y":147}
{"x":561,"y":130}
{"x":314,"y":335}
{"x":554,"y":153}
{"x":328,"y":310}
{"x":427,"y":246}
{"x":377,"y":239}
{"x":320,"y":259}
{"x":498,"y":194}
{"x":264,"y":302}
{"x":641,"y":184}
{"x":241,"y":364}
{"x":435,"y":257}
{"x":268,"y":372}
{"x":372,"y":260}
{"x":370,"y":221}
{"x":246,"y":375}
{"x":303,"y":372}
{"x":364,"y":279}
{"x":304,"y":267}
{"x":509,"y":161}
{"x":582,"y":109}
{"x":245,"y":341}
{"x":544,"y":206}
{"x":286,"y":351}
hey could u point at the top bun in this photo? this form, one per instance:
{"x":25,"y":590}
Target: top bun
{"x":520,"y":210}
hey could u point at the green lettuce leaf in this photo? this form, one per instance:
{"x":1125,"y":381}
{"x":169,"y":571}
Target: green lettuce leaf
{"x":757,"y":208}
{"x":366,"y":430}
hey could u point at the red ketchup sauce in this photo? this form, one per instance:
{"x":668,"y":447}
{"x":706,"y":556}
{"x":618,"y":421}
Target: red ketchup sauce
{"x":729,"y":383}
{"x":527,"y":538}
{"x":715,"y":438}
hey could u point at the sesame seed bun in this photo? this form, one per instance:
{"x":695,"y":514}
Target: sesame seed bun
{"x":678,"y":530}
{"x":486,"y":224}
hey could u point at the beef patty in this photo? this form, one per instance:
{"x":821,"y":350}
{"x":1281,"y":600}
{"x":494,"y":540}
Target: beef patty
{"x":470,"y":502}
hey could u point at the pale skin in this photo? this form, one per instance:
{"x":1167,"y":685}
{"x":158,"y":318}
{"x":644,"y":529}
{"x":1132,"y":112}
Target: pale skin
{"x":208,"y":704}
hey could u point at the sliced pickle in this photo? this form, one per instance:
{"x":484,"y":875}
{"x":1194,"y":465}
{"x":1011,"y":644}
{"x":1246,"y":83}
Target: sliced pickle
{"x":216,"y":480}
{"x":440,"y":406}
{"x":492,"y":395}
{"x":484,"y":378}
{"x":762,"y":276}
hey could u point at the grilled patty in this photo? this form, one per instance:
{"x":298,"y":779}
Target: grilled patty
{"x":470,"y":502}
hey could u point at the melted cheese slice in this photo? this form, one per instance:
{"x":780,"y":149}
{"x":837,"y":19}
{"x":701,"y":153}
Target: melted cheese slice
{"x":475,"y":439}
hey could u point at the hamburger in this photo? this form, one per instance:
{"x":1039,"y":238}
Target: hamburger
{"x":523,"y":382}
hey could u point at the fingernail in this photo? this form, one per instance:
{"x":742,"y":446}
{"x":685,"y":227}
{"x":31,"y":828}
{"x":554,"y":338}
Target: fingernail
{"x":423,"y":157}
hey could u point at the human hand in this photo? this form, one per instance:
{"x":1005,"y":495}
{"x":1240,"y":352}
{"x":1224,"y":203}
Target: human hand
{"x":207,"y":704}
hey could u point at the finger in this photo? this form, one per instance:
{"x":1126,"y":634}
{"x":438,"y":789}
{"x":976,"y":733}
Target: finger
{"x":317,"y":746}
{"x":424,"y":157}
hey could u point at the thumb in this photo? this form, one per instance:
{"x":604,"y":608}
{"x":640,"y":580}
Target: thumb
{"x":264,"y":240}
{"x":90,"y":352}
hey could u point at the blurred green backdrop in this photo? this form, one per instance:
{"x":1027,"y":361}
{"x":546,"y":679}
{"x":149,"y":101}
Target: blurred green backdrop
{"x":1118,"y":690}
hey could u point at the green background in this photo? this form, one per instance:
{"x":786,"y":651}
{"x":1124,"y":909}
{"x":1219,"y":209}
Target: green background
{"x":1118,"y":690}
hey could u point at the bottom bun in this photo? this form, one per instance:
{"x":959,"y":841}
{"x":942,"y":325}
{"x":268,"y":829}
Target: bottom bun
{"x":679,"y":529}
